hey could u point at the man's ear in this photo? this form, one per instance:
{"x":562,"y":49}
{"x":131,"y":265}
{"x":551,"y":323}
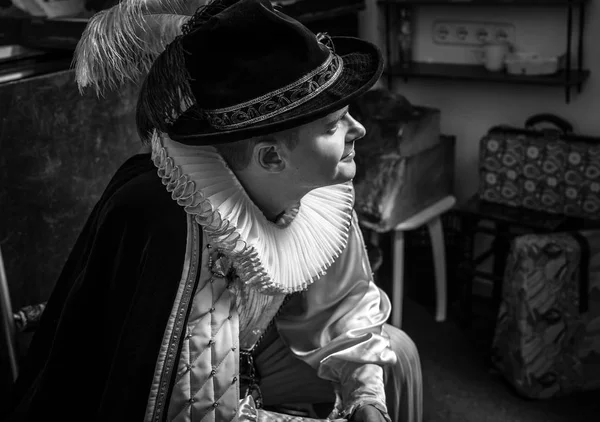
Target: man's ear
{"x":268,"y":157}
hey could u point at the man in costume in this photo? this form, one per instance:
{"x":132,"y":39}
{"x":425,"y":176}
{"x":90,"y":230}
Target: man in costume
{"x":222,"y":275}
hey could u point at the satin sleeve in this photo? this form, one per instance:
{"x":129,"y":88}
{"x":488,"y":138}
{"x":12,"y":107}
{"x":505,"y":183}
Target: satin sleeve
{"x":336,"y":326}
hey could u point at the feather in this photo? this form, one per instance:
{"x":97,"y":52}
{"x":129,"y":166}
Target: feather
{"x":120,"y":44}
{"x":165,"y":93}
{"x":138,"y":39}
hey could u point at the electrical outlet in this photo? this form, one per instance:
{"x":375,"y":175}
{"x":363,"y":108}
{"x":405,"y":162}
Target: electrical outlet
{"x":471,"y":33}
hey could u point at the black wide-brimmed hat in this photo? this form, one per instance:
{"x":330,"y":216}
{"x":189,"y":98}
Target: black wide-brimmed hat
{"x":221,"y":71}
{"x":241,"y":69}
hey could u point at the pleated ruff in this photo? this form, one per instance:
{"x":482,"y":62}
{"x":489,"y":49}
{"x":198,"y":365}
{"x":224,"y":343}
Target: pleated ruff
{"x":275,"y":258}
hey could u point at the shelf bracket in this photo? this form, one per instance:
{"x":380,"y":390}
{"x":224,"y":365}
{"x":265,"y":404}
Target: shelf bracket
{"x":568,"y":53}
{"x":580,"y":42}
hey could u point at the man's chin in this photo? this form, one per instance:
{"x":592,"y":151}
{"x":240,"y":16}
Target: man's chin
{"x":347,"y":172}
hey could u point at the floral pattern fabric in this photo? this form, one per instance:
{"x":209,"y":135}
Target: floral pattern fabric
{"x":555,"y":176}
{"x":543,"y":345}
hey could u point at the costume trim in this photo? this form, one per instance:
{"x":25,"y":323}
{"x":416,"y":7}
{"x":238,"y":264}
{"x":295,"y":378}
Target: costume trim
{"x":281,"y":100}
{"x":167,"y":357}
{"x":206,"y":385}
{"x":266,"y":256}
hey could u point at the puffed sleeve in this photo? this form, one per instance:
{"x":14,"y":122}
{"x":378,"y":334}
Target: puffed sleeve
{"x":336,"y":326}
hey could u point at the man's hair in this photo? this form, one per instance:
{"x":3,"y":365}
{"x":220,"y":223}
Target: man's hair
{"x":237,"y":155}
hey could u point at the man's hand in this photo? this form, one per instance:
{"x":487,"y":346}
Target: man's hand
{"x":367,"y":413}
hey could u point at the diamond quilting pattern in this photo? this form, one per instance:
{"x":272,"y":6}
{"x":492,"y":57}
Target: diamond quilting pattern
{"x":206,"y":387}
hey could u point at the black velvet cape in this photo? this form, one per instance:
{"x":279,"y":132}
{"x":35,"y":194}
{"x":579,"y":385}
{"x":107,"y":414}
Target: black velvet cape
{"x":93,"y":356}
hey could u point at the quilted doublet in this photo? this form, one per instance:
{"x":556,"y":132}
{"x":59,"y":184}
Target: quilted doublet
{"x":206,"y":385}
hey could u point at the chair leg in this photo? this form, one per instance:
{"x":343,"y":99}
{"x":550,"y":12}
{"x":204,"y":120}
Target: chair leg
{"x":439,"y":260}
{"x":398,"y":278}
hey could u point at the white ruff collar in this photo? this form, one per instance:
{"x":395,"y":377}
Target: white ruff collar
{"x":274,"y":258}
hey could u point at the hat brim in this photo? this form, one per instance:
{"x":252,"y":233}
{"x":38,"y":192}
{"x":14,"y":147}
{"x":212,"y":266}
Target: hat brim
{"x":363,"y":66}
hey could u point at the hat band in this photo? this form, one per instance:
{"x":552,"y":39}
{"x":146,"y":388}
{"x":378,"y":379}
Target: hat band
{"x":278,"y":101}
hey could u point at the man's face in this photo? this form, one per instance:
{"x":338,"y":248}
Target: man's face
{"x":324,"y":154}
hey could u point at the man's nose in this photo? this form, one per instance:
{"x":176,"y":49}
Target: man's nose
{"x":356,"y":129}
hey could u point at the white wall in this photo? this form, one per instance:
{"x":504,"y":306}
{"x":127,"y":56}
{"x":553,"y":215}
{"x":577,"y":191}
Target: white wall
{"x":468,"y":109}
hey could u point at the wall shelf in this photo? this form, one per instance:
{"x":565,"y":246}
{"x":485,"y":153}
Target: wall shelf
{"x":467,"y":72}
{"x":30,"y":66}
{"x":572,"y":76}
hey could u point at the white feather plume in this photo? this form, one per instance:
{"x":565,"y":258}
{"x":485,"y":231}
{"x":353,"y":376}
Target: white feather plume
{"x":120,"y":44}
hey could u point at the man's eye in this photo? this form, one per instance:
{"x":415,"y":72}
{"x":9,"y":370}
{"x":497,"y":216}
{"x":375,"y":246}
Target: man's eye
{"x":333,"y":128}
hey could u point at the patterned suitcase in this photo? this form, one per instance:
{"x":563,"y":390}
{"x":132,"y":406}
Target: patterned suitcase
{"x":547,"y":338}
{"x":551,"y":170}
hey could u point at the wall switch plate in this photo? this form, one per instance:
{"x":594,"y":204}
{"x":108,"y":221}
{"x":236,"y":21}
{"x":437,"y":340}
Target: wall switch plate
{"x":450,"y":32}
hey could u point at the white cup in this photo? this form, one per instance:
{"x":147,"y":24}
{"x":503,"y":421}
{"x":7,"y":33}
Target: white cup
{"x":492,"y":56}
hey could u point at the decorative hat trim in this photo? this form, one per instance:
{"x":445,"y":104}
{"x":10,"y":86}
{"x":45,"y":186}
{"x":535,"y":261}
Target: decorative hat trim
{"x":281,"y":100}
{"x":282,"y":257}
